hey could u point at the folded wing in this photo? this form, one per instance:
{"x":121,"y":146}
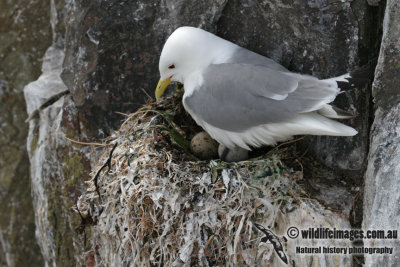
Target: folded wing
{"x":238,"y":96}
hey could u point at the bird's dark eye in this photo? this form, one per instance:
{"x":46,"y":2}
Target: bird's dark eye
{"x":171,"y":66}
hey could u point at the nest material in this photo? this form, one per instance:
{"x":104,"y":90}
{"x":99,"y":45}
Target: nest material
{"x":159,"y":206}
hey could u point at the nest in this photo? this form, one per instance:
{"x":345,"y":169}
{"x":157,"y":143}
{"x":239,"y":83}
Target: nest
{"x":151,"y":203}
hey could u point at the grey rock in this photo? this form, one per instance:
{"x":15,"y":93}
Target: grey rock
{"x":59,"y":167}
{"x":17,"y":239}
{"x":107,"y":76}
{"x":49,"y":83}
{"x":381,"y":192}
{"x":25,"y":34}
{"x":310,"y":37}
{"x":374,"y":2}
{"x":3,"y":87}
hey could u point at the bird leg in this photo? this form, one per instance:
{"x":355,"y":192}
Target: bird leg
{"x":224,"y":154}
{"x":232,"y":154}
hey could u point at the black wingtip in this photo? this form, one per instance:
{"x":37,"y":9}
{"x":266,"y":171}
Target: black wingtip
{"x":359,"y":77}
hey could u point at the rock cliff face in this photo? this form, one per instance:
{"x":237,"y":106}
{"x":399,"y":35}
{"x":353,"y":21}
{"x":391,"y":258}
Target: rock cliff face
{"x":59,"y":166}
{"x":383,"y":173}
{"x":103,"y":62}
{"x":25,"y":34}
{"x":105,"y":75}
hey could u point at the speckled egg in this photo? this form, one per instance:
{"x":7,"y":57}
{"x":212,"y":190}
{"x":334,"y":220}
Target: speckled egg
{"x":203,"y":146}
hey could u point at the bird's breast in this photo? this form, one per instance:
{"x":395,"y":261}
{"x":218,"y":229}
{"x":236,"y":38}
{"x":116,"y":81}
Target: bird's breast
{"x":193,"y":82}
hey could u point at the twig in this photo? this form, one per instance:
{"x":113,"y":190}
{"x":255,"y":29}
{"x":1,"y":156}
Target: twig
{"x":147,"y":94}
{"x":206,"y":246}
{"x":357,"y":260}
{"x":81,"y":228}
{"x":286,"y":143}
{"x":51,"y":100}
{"x":121,"y":113}
{"x":106,"y":164}
{"x":84,"y":143}
{"x":79,"y":212}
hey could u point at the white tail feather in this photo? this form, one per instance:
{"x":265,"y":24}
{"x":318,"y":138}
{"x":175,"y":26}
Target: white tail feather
{"x":269,"y":134}
{"x":329,"y":112}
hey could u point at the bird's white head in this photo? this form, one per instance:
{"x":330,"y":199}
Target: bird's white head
{"x":188,"y":50}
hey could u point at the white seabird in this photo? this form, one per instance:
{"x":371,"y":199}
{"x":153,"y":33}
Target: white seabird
{"x":243,"y":99}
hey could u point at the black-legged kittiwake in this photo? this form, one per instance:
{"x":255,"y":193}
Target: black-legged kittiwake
{"x":243,"y":99}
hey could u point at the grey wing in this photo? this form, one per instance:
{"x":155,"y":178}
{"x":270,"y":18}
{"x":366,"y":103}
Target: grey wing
{"x":242,"y":55}
{"x":236,"y":97}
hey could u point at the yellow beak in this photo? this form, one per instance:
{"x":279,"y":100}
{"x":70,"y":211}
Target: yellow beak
{"x":161,"y":86}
